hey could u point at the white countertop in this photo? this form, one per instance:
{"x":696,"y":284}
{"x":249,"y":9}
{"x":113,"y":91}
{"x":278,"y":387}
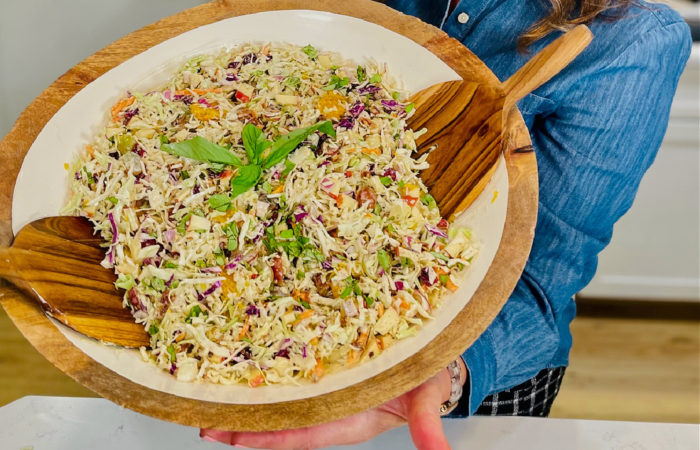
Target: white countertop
{"x":37,"y":423}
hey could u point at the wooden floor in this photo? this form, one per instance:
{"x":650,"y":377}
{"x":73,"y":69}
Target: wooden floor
{"x":621,"y":369}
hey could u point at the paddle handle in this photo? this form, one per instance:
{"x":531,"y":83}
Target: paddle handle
{"x":545,"y":64}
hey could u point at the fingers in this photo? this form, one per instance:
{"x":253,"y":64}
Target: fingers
{"x":351,"y":430}
{"x":424,"y":420}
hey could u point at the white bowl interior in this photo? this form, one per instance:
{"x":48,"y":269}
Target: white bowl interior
{"x":86,"y":113}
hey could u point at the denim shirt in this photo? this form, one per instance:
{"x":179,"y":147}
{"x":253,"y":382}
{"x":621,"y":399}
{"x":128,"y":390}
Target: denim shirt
{"x":596,"y":128}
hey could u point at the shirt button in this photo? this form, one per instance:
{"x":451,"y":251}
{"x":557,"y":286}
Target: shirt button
{"x":463,"y":17}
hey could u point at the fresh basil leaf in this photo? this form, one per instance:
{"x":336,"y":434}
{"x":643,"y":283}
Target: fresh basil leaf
{"x":247,"y":177}
{"x":285,"y":144}
{"x":288,"y":167}
{"x":250,"y":136}
{"x":202,"y":150}
{"x":220,"y":202}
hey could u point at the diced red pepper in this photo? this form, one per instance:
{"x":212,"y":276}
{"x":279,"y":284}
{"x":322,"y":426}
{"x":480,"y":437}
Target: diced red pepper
{"x":443,"y":225}
{"x":411,"y":201}
{"x":242,"y":97}
{"x":348,"y":174}
{"x":254,"y":276}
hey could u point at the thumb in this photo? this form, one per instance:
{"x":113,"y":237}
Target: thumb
{"x":423,"y":415}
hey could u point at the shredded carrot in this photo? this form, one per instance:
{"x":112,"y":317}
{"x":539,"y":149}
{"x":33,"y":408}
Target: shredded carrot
{"x":362,"y":339}
{"x":451,"y":286}
{"x":180,"y":337}
{"x":405,"y":305}
{"x":265,"y":50}
{"x":278,"y":190}
{"x":226,"y":173}
{"x":317,"y":371}
{"x":350,"y":150}
{"x":380,"y":310}
{"x":90,"y":150}
{"x":371,"y":151}
{"x":300,"y":295}
{"x":305,"y":315}
{"x":120,"y":105}
{"x":440,"y":270}
{"x":66,"y":166}
{"x":257,"y":381}
{"x":198,"y":91}
{"x":314,"y":341}
{"x":352,"y":356}
{"x":245,"y":328}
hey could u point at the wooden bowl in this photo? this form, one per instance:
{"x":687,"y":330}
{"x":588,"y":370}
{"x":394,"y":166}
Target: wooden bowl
{"x":462,"y":331}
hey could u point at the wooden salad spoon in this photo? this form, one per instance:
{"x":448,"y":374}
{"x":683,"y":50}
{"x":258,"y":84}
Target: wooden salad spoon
{"x":56,"y":260}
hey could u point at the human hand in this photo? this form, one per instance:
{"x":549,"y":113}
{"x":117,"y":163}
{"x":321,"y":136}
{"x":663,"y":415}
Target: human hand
{"x":419,"y":407}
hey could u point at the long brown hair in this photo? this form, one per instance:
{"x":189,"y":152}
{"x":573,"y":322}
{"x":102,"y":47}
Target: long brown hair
{"x":565,"y":14}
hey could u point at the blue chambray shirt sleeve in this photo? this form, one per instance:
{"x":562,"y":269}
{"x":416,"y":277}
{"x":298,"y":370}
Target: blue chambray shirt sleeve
{"x":592,"y":152}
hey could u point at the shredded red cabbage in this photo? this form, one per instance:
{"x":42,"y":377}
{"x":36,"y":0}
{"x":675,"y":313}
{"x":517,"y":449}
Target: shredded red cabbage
{"x":216,"y":285}
{"x":436,"y":231}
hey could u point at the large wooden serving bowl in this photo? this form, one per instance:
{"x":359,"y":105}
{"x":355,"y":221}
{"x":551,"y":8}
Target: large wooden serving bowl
{"x":454,"y":339}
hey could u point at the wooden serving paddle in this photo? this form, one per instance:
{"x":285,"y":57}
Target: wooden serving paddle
{"x":56,"y":260}
{"x":466,"y":121}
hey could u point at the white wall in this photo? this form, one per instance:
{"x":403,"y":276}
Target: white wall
{"x":41,"y":39}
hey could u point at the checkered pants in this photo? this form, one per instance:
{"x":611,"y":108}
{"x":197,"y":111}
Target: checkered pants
{"x":531,"y":398}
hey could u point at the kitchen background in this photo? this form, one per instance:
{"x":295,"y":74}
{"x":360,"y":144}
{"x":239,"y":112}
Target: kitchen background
{"x":636,"y":349}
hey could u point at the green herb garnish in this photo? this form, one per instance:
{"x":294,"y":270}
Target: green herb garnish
{"x":219,"y":202}
{"x":310,"y":51}
{"x":361,"y":74}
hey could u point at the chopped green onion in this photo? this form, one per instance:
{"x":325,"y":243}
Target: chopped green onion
{"x":125,"y":282}
{"x":440,"y":256}
{"x":428,"y":201}
{"x":171,"y":351}
{"x":384,"y":259}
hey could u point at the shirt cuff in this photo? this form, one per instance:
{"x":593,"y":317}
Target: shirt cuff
{"x":481,"y":373}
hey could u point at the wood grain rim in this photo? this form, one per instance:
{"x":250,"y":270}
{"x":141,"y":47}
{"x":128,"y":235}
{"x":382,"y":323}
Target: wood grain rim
{"x":462,"y":332}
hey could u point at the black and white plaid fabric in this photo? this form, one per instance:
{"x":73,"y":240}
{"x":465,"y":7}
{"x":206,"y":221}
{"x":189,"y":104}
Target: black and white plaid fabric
{"x":531,"y":398}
